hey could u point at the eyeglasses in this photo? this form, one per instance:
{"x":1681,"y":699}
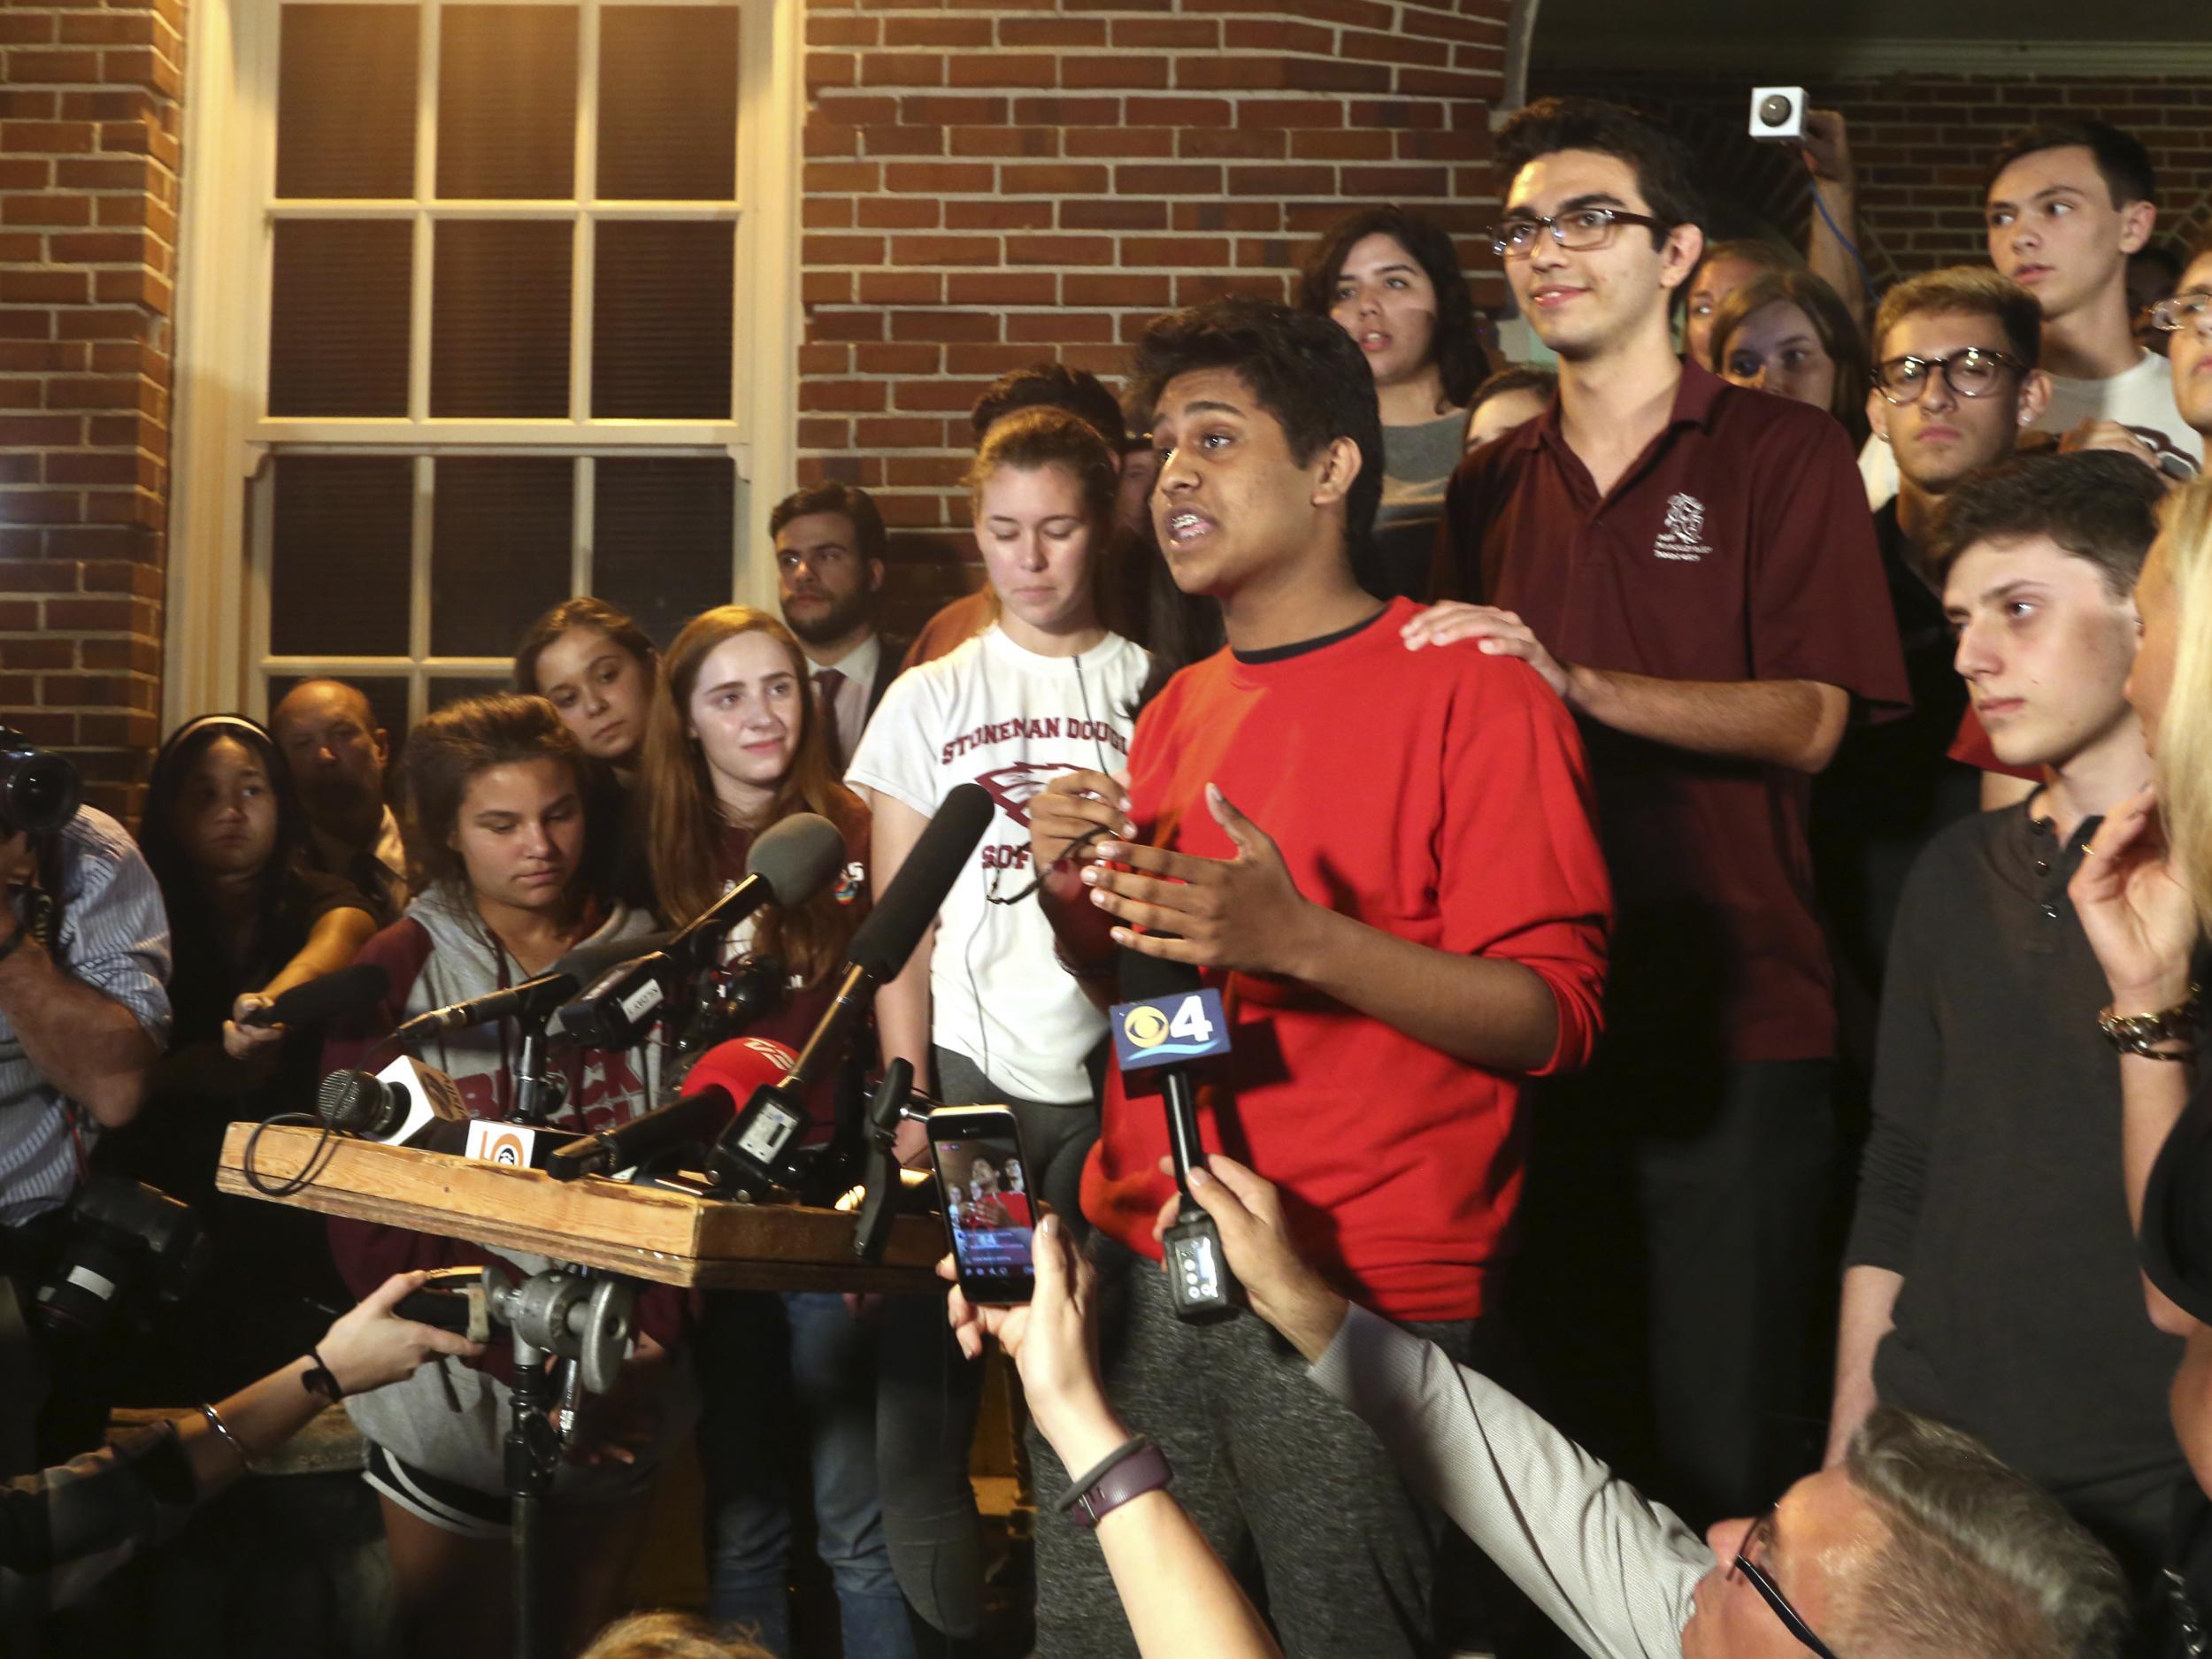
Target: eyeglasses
{"x":1972,"y":373}
{"x":2182,"y":310}
{"x":1769,"y":1591}
{"x":1585,"y":228}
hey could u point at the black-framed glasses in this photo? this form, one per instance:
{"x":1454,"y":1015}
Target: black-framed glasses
{"x":1973,"y":373}
{"x":1579,"y":232}
{"x":2182,"y":310}
{"x":1770,"y":1592}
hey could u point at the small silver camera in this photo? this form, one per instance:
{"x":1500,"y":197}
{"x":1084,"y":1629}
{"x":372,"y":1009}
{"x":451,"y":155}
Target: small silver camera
{"x":1778,"y":113}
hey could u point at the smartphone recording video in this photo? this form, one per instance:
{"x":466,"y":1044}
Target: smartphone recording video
{"x":988,"y":1210}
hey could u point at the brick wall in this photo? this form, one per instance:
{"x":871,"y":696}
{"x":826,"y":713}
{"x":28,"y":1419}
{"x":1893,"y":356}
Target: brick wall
{"x":88,"y":167}
{"x":988,"y":184}
{"x":1922,"y":143}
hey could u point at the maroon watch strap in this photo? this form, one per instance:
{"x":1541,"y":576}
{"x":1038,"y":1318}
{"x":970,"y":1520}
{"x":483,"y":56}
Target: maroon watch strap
{"x":1142,"y":1472}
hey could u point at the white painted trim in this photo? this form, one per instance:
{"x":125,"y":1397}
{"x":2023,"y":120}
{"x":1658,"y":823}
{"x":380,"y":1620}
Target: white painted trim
{"x":765,"y":340}
{"x":206,"y":627}
{"x":1772,"y":58}
{"x":216,"y":619}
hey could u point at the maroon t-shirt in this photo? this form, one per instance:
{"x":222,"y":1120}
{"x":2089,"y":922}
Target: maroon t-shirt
{"x":1737,"y":547}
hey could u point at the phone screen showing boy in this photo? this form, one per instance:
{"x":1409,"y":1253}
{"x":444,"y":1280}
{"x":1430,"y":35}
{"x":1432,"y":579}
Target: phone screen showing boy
{"x":991,"y":1214}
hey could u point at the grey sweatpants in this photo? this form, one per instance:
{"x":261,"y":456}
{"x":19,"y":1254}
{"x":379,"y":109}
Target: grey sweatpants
{"x":1292,"y":1489}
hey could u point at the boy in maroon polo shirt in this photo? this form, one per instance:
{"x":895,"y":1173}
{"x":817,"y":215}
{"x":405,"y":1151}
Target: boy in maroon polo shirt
{"x":1386,"y":864}
{"x":1691,"y":566}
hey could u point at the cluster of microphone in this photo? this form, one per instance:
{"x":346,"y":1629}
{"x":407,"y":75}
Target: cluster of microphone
{"x":745,"y":1097}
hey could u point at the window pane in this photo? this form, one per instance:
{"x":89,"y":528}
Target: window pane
{"x":661,"y":538}
{"x":342,"y":535}
{"x":499,"y":306}
{"x":346,"y":101}
{"x":445,"y":692}
{"x":661,"y":320}
{"x":507,"y":101}
{"x":338,"y":317}
{"x":499,"y":549}
{"x":668,"y":102}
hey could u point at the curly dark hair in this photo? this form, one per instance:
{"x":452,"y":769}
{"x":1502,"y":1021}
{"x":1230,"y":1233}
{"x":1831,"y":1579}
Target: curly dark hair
{"x":1303,"y":370}
{"x":1455,"y":350}
{"x":1054,"y":386}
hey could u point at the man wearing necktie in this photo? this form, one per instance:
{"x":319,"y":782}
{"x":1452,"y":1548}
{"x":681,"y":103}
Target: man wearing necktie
{"x":829,"y":567}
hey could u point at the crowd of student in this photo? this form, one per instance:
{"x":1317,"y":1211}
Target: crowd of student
{"x":1579,"y":811}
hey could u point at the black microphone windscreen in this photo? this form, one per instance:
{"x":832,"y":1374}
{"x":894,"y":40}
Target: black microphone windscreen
{"x":903,"y":914}
{"x":360,"y":985}
{"x":1149,"y":978}
{"x":588,"y":962}
{"x":797,"y":856}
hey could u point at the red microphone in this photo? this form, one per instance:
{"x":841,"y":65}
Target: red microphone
{"x":721,"y":1081}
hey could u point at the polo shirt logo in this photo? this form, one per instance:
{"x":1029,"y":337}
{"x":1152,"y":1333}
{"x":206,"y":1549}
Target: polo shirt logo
{"x":1683,"y":535}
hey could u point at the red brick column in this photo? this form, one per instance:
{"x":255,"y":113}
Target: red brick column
{"x":988,"y":184}
{"x":89,"y":117}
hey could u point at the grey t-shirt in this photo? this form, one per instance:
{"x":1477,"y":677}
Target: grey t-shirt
{"x":1418,"y":464}
{"x":115,"y":938}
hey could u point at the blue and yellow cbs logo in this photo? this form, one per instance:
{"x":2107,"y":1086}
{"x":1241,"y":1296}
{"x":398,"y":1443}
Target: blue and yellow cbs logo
{"x":1145,"y":1025}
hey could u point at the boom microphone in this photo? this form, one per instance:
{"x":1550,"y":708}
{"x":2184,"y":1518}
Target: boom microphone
{"x":750,"y":1155}
{"x":723,"y":1079}
{"x":791,"y":862}
{"x":534,"y":999}
{"x":362,"y":985}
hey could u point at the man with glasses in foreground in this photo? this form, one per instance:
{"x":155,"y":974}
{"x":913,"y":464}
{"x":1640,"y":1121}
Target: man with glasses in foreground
{"x":1689,"y":566}
{"x":1918,"y":1545}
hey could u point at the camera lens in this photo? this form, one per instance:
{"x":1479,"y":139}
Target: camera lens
{"x":39,"y":792}
{"x":1774,"y":109}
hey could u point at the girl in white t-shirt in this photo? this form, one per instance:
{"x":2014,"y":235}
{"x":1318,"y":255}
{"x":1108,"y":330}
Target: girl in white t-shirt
{"x":984,"y":1003}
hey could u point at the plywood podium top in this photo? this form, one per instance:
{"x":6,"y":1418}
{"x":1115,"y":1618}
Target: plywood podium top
{"x":669,"y":1237}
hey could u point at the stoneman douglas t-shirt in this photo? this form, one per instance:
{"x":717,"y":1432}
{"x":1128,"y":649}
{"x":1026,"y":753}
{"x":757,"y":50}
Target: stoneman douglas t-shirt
{"x":992,"y":713}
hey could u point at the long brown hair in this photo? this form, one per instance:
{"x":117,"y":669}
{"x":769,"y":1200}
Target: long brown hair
{"x":1832,"y":321}
{"x":1030,"y":440}
{"x":685,"y":826}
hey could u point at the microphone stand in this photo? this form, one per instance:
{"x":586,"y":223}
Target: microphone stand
{"x":896,"y":1101}
{"x":539,"y":1089}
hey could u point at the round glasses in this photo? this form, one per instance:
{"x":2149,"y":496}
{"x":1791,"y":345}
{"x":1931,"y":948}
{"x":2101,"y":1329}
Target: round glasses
{"x":2182,"y":310}
{"x":1578,"y":231}
{"x":1972,"y":373}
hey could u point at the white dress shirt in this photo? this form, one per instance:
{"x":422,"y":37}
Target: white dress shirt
{"x":859,"y":666}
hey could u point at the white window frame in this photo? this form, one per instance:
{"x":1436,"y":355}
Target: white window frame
{"x":221,"y":478}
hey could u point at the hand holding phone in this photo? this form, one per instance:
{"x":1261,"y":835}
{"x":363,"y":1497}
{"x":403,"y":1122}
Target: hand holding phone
{"x":989,"y":1213}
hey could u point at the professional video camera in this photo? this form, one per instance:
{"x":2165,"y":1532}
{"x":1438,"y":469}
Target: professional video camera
{"x":125,"y":1248}
{"x":38,"y":790}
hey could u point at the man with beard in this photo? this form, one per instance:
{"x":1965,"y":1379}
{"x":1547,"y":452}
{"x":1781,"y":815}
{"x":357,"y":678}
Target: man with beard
{"x":336,"y":754}
{"x":829,"y":569}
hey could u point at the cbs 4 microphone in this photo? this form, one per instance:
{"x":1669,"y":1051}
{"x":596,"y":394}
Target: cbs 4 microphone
{"x":790,"y":863}
{"x":753,"y":1153}
{"x":1166,"y":1022}
{"x":724,"y":1077}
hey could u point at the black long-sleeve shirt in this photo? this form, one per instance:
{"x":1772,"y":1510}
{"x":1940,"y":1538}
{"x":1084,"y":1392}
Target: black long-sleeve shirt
{"x":1993,"y":1180}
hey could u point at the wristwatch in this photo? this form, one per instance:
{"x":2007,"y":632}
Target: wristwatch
{"x":2139,"y":1034}
{"x":1143,"y":1469}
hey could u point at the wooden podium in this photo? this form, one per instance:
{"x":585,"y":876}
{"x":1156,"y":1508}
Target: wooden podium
{"x":647,"y":1232}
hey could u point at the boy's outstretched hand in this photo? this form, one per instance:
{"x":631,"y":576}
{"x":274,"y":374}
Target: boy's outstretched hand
{"x":1243,"y":914}
{"x":1282,"y":1289}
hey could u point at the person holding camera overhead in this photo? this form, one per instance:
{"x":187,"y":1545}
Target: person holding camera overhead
{"x":84,"y":1014}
